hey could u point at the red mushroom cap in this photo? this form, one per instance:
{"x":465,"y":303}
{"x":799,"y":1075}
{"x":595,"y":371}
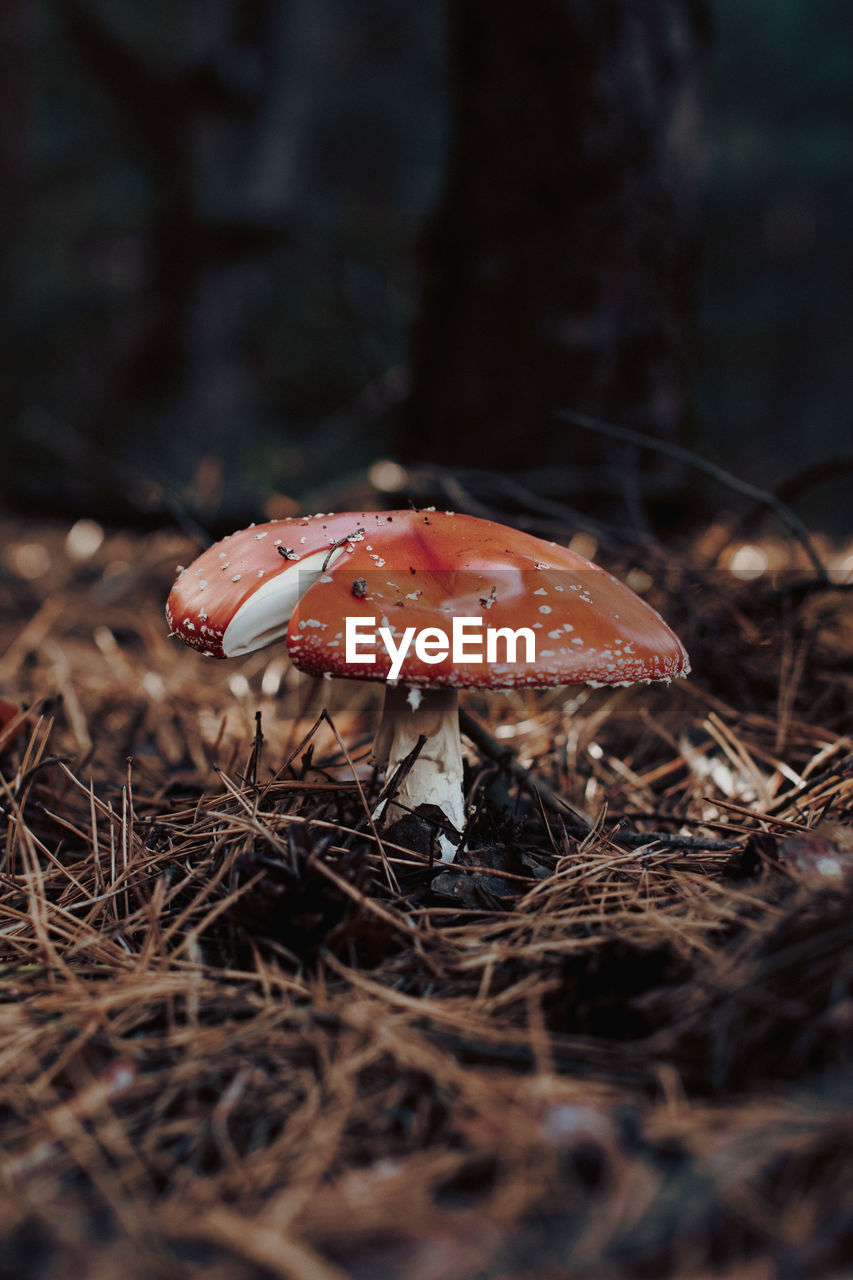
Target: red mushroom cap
{"x":420,"y":569}
{"x":13,"y":722}
{"x":265,"y":564}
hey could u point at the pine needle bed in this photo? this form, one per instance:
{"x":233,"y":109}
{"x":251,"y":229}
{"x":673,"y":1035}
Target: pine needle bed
{"x":242,"y":1037}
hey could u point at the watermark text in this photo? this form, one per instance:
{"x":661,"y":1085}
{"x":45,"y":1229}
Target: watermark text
{"x":468,"y":641}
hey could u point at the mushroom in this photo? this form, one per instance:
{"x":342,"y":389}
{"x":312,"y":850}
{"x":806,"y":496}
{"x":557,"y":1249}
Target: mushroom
{"x":387,"y":596}
{"x":13,"y":722}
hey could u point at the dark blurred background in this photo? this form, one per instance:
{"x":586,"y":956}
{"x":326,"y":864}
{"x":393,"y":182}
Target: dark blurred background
{"x":252,"y":247}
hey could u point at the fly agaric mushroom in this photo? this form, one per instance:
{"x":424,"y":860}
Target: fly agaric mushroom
{"x":13,"y":722}
{"x":542,"y":613}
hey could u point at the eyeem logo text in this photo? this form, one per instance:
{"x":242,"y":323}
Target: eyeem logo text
{"x":468,"y":641}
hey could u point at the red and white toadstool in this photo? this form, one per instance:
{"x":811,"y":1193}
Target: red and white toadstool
{"x":428,"y":602}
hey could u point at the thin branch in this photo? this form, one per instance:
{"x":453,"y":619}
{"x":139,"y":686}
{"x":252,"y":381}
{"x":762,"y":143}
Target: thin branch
{"x":494,"y":750}
{"x":763,"y":496}
{"x":577,"y":823}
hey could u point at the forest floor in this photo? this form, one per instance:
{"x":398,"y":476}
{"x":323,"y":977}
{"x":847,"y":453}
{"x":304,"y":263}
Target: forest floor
{"x":240,"y":1039}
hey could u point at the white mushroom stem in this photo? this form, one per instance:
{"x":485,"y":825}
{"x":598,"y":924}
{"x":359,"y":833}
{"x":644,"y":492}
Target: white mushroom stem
{"x":436,"y":775}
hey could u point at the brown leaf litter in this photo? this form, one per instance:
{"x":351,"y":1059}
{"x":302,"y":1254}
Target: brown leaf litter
{"x":241,"y":1036}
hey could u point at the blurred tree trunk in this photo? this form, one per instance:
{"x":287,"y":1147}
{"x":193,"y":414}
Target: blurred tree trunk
{"x":15,"y":111}
{"x":559,"y":270}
